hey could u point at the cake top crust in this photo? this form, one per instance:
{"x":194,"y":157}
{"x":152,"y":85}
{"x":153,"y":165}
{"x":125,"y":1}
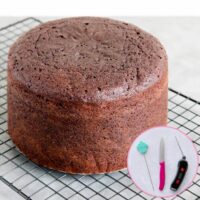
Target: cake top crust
{"x":87,"y":58}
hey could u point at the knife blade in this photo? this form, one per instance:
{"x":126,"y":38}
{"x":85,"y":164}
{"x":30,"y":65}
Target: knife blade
{"x":162,"y":165}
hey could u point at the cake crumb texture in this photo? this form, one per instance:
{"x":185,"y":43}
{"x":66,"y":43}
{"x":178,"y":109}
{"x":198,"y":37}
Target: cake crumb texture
{"x":80,"y":90}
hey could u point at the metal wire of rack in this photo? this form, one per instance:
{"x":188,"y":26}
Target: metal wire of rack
{"x":31,"y":181}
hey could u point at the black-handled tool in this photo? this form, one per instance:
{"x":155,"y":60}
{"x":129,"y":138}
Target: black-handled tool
{"x":182,"y":169}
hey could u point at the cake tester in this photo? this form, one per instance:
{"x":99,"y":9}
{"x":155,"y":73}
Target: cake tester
{"x":162,"y":165}
{"x":182,"y":169}
{"x":142,"y":148}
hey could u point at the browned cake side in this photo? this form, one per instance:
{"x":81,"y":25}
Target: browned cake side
{"x":81,"y":89}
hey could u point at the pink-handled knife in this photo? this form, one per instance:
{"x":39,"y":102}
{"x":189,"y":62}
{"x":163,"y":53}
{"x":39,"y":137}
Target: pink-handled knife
{"x":162,"y":165}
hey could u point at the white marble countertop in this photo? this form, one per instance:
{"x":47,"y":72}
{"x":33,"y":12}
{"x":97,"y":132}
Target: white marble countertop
{"x":180,"y":36}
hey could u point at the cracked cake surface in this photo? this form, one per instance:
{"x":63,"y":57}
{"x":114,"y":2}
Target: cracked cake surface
{"x":89,"y":59}
{"x":80,"y":90}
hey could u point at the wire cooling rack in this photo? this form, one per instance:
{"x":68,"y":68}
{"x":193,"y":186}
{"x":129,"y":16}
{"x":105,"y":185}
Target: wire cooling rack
{"x":31,"y":181}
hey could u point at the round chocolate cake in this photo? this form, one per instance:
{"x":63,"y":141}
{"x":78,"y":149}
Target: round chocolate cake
{"x":81,"y":89}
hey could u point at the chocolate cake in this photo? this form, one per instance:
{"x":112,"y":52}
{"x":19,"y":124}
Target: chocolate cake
{"x":81,"y":89}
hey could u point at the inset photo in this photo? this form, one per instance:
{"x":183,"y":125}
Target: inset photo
{"x":162,"y":162}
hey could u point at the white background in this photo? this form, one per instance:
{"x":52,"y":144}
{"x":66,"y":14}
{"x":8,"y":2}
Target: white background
{"x":99,"y":7}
